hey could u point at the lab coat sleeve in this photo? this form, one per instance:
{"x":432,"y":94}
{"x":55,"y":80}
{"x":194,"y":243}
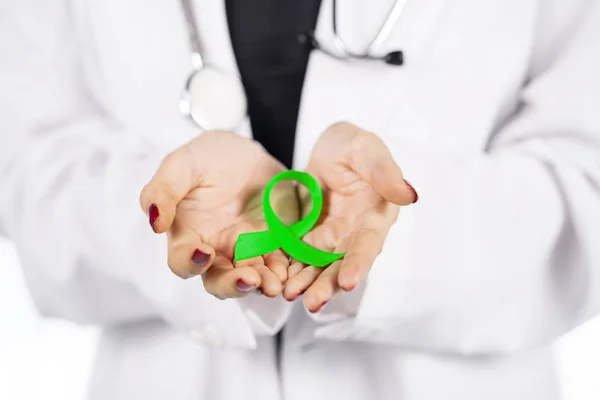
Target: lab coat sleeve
{"x":502,"y":251}
{"x":70,"y":180}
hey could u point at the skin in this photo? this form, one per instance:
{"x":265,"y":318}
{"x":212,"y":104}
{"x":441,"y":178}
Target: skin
{"x":363,"y":188}
{"x":205,"y":201}
{"x":207,"y":193}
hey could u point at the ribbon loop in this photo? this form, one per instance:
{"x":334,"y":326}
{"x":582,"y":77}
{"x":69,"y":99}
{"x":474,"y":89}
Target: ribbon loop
{"x":281,"y":236}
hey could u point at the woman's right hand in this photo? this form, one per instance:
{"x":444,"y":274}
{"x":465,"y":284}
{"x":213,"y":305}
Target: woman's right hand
{"x":204,"y":195}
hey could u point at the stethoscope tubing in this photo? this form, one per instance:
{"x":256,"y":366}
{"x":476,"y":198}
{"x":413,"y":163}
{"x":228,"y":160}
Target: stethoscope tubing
{"x":206,"y":117}
{"x":193,"y":35}
{"x":375,"y":45}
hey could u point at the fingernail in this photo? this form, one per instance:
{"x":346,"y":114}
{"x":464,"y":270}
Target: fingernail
{"x":321,"y":306}
{"x":200,"y":258}
{"x":298,"y":295}
{"x":416,"y":195}
{"x":153,"y":215}
{"x":243,"y":286}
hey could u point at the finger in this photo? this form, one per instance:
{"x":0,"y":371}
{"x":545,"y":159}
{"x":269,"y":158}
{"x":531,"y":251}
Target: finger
{"x":188,"y":256}
{"x":170,"y":184}
{"x":373,"y":162}
{"x":364,"y":245}
{"x":326,"y":235}
{"x":278,"y":263}
{"x":294,"y":269}
{"x":323,"y":289}
{"x":300,"y":276}
{"x":225,"y":282}
{"x":297,"y":285}
{"x":271,"y":285}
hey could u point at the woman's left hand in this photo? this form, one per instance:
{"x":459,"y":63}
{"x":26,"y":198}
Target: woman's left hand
{"x":363,"y":188}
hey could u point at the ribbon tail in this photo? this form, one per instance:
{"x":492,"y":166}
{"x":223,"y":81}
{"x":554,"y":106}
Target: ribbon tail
{"x":254,"y":244}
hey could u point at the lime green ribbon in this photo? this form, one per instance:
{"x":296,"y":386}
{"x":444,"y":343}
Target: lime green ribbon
{"x":281,"y":236}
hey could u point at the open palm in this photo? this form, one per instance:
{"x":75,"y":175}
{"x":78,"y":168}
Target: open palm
{"x":363,"y":189}
{"x":204,"y":195}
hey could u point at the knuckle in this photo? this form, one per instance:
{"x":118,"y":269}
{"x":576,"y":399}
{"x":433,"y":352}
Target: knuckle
{"x":167,"y":192}
{"x":342,"y":127}
{"x":171,"y":158}
{"x":362,"y":140}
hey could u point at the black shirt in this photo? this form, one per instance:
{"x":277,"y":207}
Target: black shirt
{"x":272,"y":64}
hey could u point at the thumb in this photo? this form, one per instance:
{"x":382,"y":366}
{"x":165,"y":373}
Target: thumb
{"x":373,"y":162}
{"x":172,"y":181}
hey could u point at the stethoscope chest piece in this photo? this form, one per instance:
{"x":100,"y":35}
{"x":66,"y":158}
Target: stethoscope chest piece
{"x":214,"y":99}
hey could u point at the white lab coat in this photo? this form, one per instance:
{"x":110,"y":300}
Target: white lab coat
{"x":494,"y":119}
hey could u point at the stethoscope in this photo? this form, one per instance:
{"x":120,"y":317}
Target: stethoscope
{"x":215,"y":99}
{"x":341,"y":50}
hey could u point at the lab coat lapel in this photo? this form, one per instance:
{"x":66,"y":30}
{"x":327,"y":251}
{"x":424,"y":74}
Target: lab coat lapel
{"x":374,"y":89}
{"x":370,"y":94}
{"x":144,"y":93}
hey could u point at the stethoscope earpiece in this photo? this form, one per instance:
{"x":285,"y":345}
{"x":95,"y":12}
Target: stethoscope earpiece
{"x":308,"y":39}
{"x":215,"y":99}
{"x":341,"y":52}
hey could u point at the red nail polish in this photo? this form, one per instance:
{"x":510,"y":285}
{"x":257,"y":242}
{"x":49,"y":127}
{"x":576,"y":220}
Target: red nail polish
{"x":321,"y":306}
{"x":153,"y":214}
{"x":298,"y":295}
{"x":243,"y":286}
{"x":416,"y":195}
{"x":200,"y":258}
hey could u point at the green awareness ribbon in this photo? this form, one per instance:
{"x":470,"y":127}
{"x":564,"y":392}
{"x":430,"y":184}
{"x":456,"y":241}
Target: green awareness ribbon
{"x":281,"y":236}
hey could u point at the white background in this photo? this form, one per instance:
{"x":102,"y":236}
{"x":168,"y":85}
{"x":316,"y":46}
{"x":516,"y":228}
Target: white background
{"x":51,"y":360}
